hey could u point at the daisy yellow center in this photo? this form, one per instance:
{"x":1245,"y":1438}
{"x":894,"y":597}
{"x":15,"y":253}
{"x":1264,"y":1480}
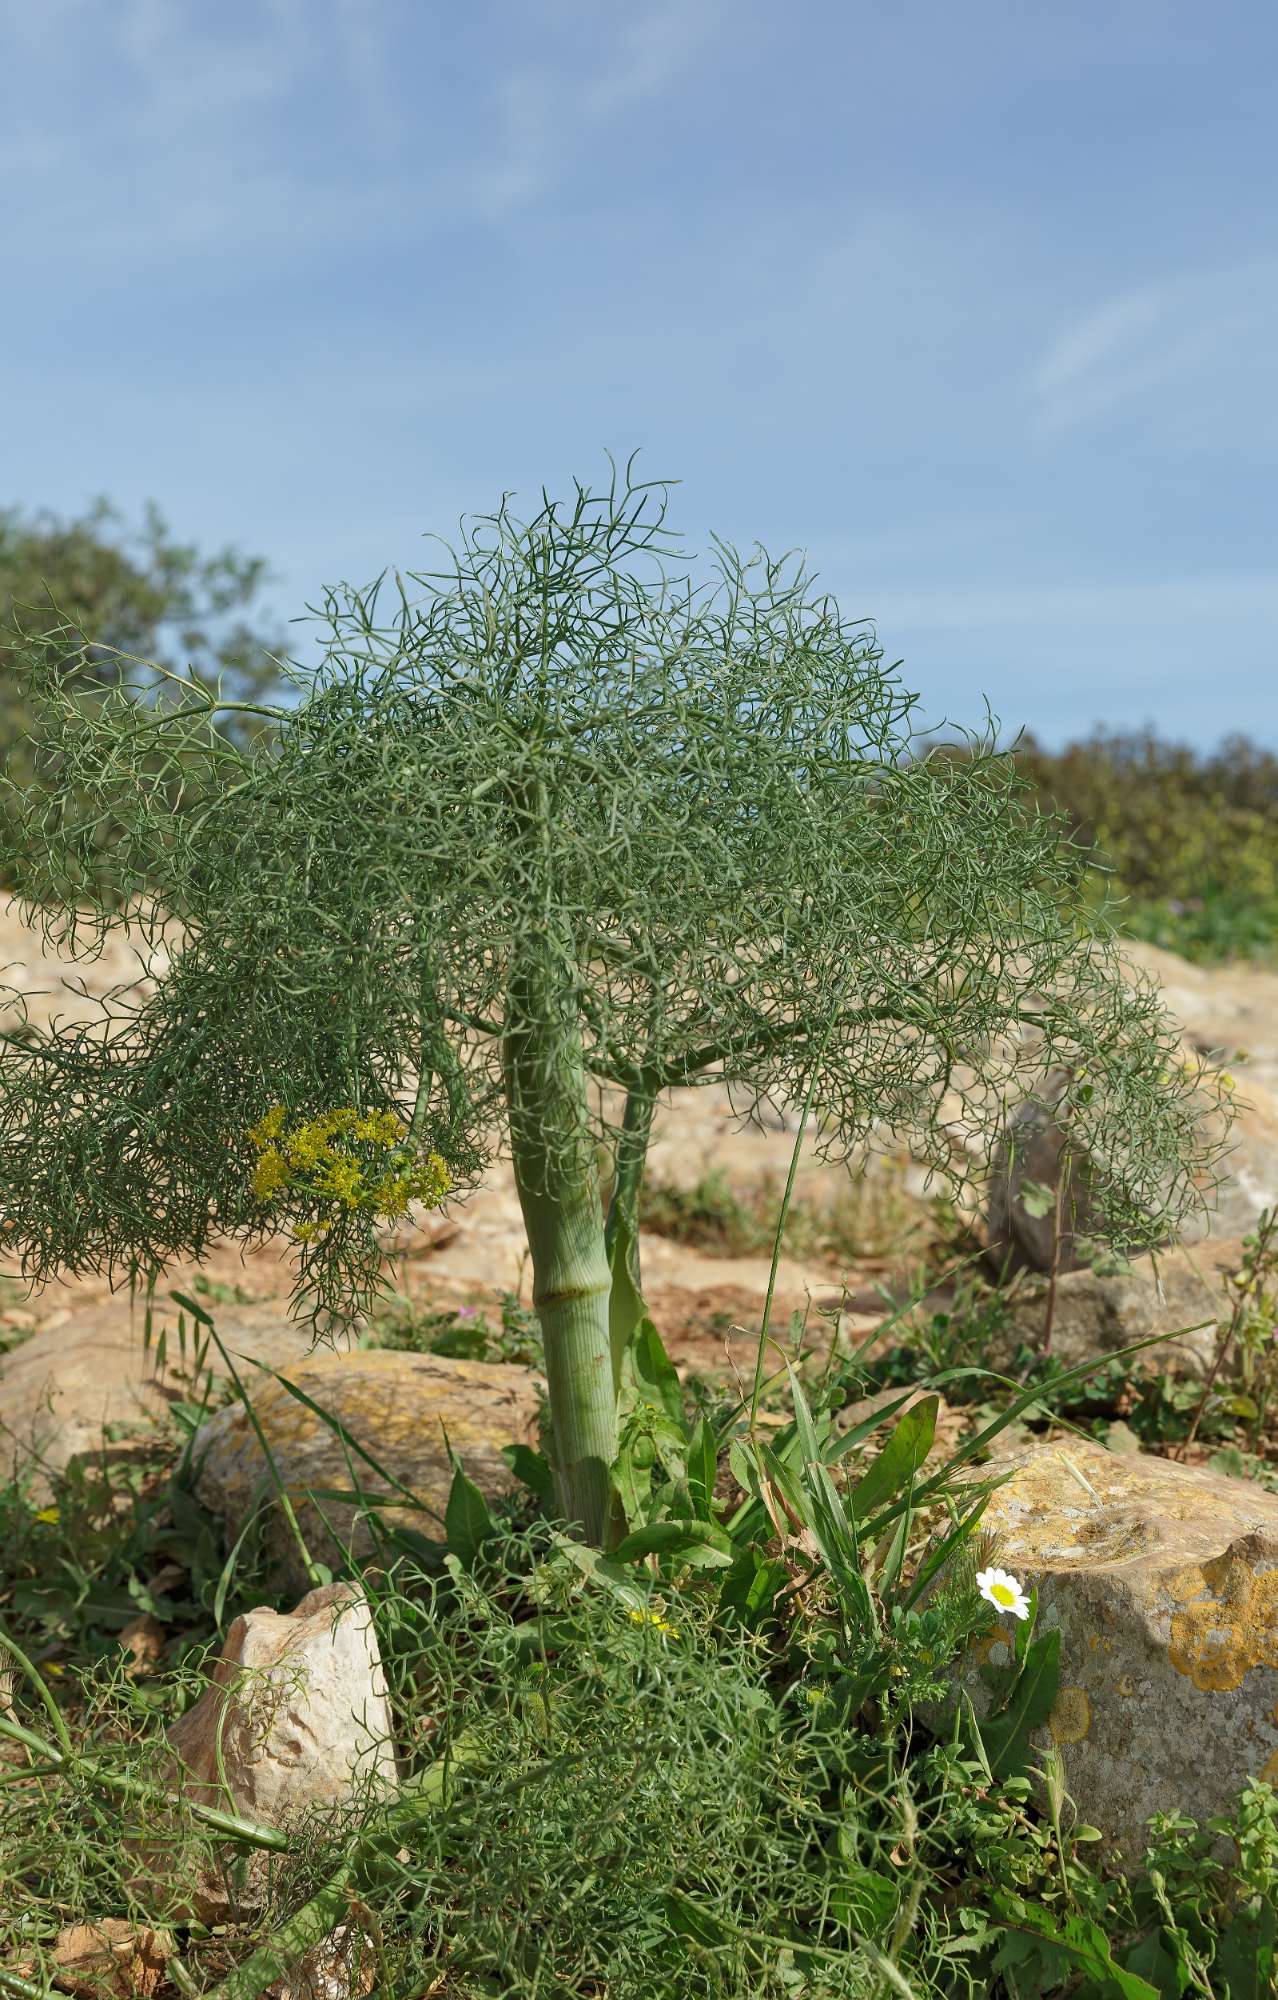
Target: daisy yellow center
{"x":1002,"y":1593}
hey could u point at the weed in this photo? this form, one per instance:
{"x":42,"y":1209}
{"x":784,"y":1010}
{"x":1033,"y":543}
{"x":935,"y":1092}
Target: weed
{"x":462,"y":1332}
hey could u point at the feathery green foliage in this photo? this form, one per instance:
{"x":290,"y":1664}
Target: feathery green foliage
{"x":563,"y":833}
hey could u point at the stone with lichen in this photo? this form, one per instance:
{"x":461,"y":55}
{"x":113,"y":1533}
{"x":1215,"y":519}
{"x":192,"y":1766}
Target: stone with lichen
{"x":1163,"y":1583}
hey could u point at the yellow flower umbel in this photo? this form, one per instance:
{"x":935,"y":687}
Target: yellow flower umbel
{"x":341,"y":1161}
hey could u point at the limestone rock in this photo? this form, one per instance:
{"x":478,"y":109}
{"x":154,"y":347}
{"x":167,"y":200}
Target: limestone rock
{"x":398,"y":1406}
{"x":68,"y":1381}
{"x":297,"y":1705}
{"x":1163,"y":1583}
{"x":1169,"y":1294}
{"x":111,"y":1956}
{"x":1033,"y":1149}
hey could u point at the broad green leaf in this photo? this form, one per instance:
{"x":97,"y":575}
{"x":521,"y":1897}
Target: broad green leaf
{"x":1006,"y":1735}
{"x":626,"y":1308}
{"x":532,"y":1469}
{"x":648,"y":1376}
{"x":700,"y":1543}
{"x":603,"y":1570}
{"x":845,"y":1442}
{"x":1082,"y":1941}
{"x":1247,"y":1954}
{"x":899,"y":1460}
{"x":751,"y":1585}
{"x":632,"y":1479}
{"x":467,"y":1521}
{"x":744,"y":1471}
{"x":702,"y":1466}
{"x":864,"y":1900}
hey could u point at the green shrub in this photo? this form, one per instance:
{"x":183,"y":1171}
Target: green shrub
{"x":1191,"y":840}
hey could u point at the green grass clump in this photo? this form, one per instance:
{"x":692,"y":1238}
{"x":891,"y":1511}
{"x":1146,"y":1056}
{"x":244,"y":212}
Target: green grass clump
{"x":463,"y":1333}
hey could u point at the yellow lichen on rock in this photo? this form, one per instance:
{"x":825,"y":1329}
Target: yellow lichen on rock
{"x":1227,"y":1623}
{"x":1071,"y":1716}
{"x":400,"y":1408}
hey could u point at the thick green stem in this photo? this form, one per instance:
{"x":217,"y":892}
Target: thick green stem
{"x":632,"y":1156}
{"x":556,"y":1174}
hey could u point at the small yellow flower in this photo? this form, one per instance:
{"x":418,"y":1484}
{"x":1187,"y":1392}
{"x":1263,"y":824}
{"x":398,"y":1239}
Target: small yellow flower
{"x":324,"y":1157}
{"x":49,"y":1515}
{"x":379,"y":1128}
{"x":658,"y":1623}
{"x":432,"y":1181}
{"x":267,"y":1131}
{"x":1227,"y":1082}
{"x":341,"y":1179}
{"x":269,"y":1175}
{"x":311,"y":1144}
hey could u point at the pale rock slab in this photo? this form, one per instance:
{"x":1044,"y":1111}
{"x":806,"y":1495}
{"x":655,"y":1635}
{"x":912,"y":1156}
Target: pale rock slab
{"x":1179,"y":1293}
{"x":298,"y":1713}
{"x":400,"y":1407}
{"x":64,"y":1386}
{"x":1033,"y":1149}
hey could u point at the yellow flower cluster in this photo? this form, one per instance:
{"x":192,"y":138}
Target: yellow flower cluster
{"x":655,"y":1619}
{"x":345,"y":1159}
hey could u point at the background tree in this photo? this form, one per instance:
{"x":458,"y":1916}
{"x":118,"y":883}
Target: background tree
{"x":562,"y":834}
{"x":116,"y":591}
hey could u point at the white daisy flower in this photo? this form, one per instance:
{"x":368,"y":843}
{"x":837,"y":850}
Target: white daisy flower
{"x":999,"y":1588}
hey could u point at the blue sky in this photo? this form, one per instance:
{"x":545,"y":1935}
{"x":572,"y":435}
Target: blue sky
{"x":976,"y":303}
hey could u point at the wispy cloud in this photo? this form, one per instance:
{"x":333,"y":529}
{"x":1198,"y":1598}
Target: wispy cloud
{"x":1098,"y":338}
{"x":193,"y":120}
{"x":546,"y":111}
{"x":656,"y":44}
{"x":1158,"y":350}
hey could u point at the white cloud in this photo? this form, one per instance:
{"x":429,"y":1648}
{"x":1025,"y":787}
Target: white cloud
{"x":655,"y":46}
{"x":1096,"y":338}
{"x":181,"y":123}
{"x":1163,"y":352}
{"x":545,"y":112}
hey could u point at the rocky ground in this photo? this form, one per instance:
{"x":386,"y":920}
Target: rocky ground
{"x":1164,"y":1592}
